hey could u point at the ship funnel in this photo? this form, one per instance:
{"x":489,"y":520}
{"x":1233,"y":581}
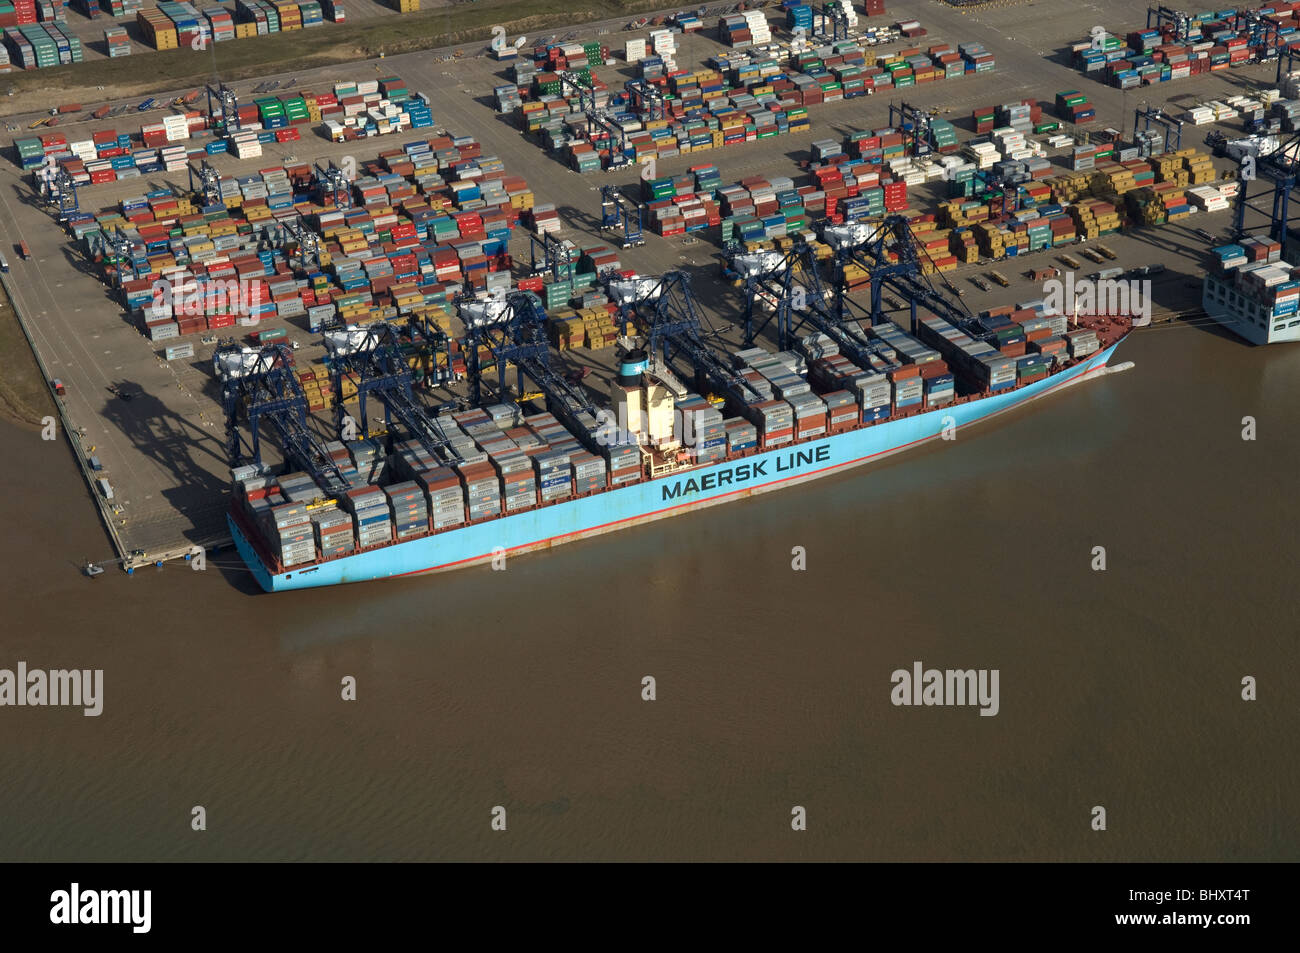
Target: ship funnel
{"x":632,"y":363}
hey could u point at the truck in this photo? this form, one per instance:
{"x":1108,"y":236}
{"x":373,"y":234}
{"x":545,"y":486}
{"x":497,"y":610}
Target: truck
{"x":64,"y":109}
{"x":1107,"y":274}
{"x":101,"y":112}
{"x":4,"y":262}
{"x":1070,"y":261}
{"x":146,"y":105}
{"x":24,"y":250}
{"x":1107,"y":252}
{"x":1146,"y":271}
{"x":1000,"y":278}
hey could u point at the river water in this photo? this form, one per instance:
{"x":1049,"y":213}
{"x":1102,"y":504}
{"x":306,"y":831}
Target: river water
{"x":523,"y":689}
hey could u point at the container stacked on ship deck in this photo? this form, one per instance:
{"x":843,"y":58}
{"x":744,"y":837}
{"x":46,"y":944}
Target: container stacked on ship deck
{"x":703,"y":431}
{"x":554,"y":473}
{"x":446,"y":496}
{"x":372,"y":517}
{"x":334,"y":533}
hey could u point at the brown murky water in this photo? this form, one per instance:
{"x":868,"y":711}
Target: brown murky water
{"x":523,"y":689}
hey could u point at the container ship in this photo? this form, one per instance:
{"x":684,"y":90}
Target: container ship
{"x":1253,"y":293}
{"x":511,"y":482}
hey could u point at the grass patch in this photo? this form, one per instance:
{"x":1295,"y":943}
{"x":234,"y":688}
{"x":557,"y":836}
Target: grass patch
{"x":24,"y":396}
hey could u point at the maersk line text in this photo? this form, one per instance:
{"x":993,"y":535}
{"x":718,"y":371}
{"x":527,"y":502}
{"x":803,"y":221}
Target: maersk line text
{"x":744,"y":472}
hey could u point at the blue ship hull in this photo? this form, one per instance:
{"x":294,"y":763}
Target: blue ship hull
{"x":652,"y":499}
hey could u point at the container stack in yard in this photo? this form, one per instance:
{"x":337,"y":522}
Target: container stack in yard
{"x":221,"y":24}
{"x":457,"y":212}
{"x":369,"y":108}
{"x":32,"y":45}
{"x":1210,"y":42}
{"x":749,"y":28}
{"x":117,"y":41}
{"x":728,"y":101}
{"x":157,"y":29}
{"x":404,"y":6}
{"x":120,"y":9}
{"x":1073,"y":106}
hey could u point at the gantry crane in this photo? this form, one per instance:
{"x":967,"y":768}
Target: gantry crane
{"x":557,"y":257}
{"x":206,"y":181}
{"x":306,"y":242}
{"x":512,"y":326}
{"x":665,"y":308}
{"x":1159,"y":17}
{"x":792,"y":283}
{"x":615,"y":214}
{"x":598,"y":116}
{"x":1144,"y":117}
{"x":835,"y":20}
{"x":371,"y":355}
{"x":223,"y":108}
{"x":1278,"y":168}
{"x":892,"y":255}
{"x":262,"y":385}
{"x":646,"y":99}
{"x":332,"y":181}
{"x":122,"y":250}
{"x":915,"y":126}
{"x":60,"y":189}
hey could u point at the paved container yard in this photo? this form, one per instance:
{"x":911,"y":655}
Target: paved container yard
{"x":157,"y":426}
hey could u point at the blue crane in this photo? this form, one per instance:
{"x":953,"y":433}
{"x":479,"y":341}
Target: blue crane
{"x":512,"y":327}
{"x":646,"y":99}
{"x":372,"y":355}
{"x":665,"y":308}
{"x":893,"y":256}
{"x":60,"y":190}
{"x":597,"y":116}
{"x":615,"y":214}
{"x":1146,"y":116}
{"x":914,"y":124}
{"x":792,"y":281}
{"x":260,"y":385}
{"x":223,"y":108}
{"x":206,"y":181}
{"x":837,"y":19}
{"x":1279,"y":169}
{"x":331,"y":181}
{"x":1166,"y":16}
